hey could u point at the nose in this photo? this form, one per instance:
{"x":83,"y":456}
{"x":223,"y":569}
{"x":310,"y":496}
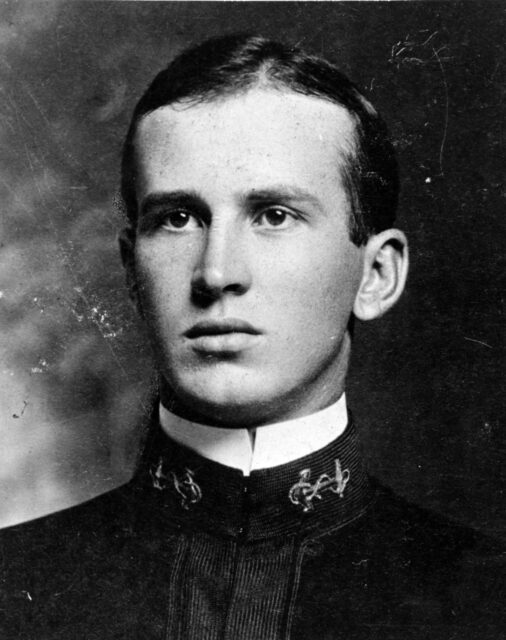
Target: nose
{"x":223,"y":267}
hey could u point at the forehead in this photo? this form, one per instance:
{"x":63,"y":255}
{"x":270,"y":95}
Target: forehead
{"x":262,"y":135}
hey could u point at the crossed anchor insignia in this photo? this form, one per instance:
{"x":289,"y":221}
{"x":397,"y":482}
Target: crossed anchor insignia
{"x":185,"y":485}
{"x":303,"y":492}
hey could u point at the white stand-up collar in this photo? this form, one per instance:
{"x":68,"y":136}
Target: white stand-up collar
{"x":272,"y":444}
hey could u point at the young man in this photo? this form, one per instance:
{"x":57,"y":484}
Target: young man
{"x":261,"y":188}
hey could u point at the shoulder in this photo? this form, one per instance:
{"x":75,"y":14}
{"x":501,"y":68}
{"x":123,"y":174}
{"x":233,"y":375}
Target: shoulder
{"x":51,"y":565}
{"x":405,"y":539}
{"x":405,"y":572}
{"x":432,"y":560}
{"x":80,"y":524}
{"x":417,"y":530}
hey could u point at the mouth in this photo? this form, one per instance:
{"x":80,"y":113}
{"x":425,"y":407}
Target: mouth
{"x":220,"y":327}
{"x":230,"y":335}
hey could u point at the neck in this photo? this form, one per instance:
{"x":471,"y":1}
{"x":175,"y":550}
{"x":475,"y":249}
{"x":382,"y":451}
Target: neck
{"x":261,"y":448}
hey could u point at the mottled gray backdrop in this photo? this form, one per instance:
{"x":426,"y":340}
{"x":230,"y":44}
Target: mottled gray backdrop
{"x":427,"y":381}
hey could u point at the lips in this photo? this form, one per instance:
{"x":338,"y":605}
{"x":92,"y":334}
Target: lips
{"x":222,"y":336}
{"x":220,"y":327}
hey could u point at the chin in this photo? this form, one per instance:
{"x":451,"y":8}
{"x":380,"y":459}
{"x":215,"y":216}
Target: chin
{"x":239,"y":401}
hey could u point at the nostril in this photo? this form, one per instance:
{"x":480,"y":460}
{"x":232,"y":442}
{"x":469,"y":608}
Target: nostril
{"x":204,"y":293}
{"x":236,"y":288}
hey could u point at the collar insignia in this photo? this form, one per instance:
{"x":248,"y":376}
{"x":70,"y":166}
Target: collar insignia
{"x":303,"y":492}
{"x":184,"y":484}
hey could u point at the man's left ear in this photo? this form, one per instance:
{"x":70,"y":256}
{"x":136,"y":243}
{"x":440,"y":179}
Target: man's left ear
{"x":385,"y":269}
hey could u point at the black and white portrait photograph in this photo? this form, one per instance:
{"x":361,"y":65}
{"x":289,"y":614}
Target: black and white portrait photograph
{"x":252,"y":320}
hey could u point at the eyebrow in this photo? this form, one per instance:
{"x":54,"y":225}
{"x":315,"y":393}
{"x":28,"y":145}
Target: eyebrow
{"x":181,"y":198}
{"x":163,"y":198}
{"x":284,"y":192}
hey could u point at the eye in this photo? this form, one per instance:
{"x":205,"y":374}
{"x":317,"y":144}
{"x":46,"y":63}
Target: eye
{"x":275,"y":217}
{"x":179,"y":220}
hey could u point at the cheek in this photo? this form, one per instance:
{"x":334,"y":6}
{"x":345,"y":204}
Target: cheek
{"x":162,"y":282}
{"x":321,"y":292}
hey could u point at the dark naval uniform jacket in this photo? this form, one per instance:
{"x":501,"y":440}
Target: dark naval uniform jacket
{"x":193,"y":550}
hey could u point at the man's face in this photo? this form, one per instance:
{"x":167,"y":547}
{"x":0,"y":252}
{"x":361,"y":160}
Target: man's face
{"x":243,"y":261}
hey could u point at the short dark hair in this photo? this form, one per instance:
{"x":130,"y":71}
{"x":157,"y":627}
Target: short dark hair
{"x":230,"y":64}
